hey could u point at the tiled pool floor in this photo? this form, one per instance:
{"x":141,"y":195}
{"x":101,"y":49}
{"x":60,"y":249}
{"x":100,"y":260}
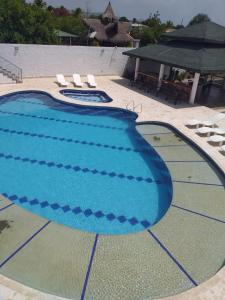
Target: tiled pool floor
{"x":185,"y":249}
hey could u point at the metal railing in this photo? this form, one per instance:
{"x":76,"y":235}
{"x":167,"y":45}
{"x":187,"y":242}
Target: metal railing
{"x":134,"y":107}
{"x":10,"y":70}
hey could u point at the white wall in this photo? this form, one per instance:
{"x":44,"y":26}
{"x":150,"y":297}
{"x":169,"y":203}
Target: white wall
{"x":42,"y":61}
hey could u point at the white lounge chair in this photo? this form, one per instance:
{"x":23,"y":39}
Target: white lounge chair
{"x":77,"y":80}
{"x":61,"y":80}
{"x":91,"y":80}
{"x":217,"y":139}
{"x":210,"y":122}
{"x":209,"y":130}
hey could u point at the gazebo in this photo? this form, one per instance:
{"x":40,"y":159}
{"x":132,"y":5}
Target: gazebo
{"x":199,"y":49}
{"x":66,"y":37}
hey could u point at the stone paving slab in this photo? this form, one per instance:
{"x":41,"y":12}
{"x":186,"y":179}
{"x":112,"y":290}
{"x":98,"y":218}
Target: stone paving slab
{"x":55,"y":262}
{"x":194,"y":172}
{"x":204,"y":199}
{"x":131,"y":267}
{"x":17,"y":225}
{"x":4,"y":202}
{"x":194,"y":241}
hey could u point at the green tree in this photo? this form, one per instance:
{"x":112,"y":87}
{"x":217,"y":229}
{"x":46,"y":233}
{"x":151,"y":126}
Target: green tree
{"x":152,"y":31}
{"x":25,"y":23}
{"x":123,"y":19}
{"x":40,"y":3}
{"x":199,"y":18}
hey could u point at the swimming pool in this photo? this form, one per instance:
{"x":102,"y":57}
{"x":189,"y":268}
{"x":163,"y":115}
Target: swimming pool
{"x":180,"y":252}
{"x":83,"y":167}
{"x":87,"y":96}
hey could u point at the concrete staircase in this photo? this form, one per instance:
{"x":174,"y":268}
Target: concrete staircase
{"x":9,"y":72}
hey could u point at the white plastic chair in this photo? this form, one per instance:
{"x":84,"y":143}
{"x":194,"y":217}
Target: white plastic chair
{"x":77,"y":80}
{"x":91,"y":81}
{"x":210,"y":122}
{"x":61,"y":80}
{"x":217,"y":139}
{"x":209,"y":130}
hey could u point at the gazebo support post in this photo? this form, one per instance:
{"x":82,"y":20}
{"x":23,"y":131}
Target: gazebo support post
{"x":161,"y":74}
{"x":194,"y":88}
{"x":137,"y":65}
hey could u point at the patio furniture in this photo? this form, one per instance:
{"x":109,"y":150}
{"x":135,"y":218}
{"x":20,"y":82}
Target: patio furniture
{"x":209,"y":130}
{"x":217,"y":139}
{"x":91,"y":81}
{"x":61,"y":80}
{"x":77,"y":80}
{"x":168,"y":89}
{"x":210,"y":122}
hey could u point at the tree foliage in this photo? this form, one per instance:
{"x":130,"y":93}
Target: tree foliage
{"x":25,"y":23}
{"x":35,"y":23}
{"x":199,"y":18}
{"x":152,"y":30}
{"x":123,"y":19}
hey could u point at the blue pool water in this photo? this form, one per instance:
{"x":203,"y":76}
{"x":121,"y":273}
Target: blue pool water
{"x":84,"y":167}
{"x":87,"y":96}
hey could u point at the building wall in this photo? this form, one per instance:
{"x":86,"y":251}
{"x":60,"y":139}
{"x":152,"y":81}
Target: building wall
{"x":48,"y":60}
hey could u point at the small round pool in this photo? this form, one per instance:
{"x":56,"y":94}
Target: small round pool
{"x":87,"y":96}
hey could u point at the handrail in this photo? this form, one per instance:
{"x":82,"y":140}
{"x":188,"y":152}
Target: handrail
{"x":10,"y":67}
{"x":134,"y":107}
{"x":10,"y":62}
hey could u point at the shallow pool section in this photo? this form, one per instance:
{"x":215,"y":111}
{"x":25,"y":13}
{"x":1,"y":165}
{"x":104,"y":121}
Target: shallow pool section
{"x":83,"y":167}
{"x":87,"y":96}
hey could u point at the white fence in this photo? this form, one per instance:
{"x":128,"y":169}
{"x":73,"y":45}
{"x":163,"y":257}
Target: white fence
{"x":48,"y":60}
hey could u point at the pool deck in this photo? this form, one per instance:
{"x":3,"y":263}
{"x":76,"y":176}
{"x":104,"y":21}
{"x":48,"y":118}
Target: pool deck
{"x":149,"y":109}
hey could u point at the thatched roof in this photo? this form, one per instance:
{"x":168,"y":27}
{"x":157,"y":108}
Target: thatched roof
{"x":108,"y":29}
{"x":116,"y":32}
{"x":109,"y":13}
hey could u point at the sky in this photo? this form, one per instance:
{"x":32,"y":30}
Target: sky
{"x":174,"y":10}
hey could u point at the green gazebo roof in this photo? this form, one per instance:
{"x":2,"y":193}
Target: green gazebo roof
{"x":207,"y":32}
{"x":60,"y":33}
{"x":194,"y":48}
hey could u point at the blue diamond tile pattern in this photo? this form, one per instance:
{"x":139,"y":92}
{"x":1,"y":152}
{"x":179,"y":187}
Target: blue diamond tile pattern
{"x":78,"y":210}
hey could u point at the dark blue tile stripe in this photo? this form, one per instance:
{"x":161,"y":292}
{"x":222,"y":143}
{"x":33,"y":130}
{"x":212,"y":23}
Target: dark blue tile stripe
{"x":4,"y":261}
{"x":89,"y":268}
{"x":87,"y":212}
{"x":167,"y":146}
{"x":85,"y":170}
{"x":63,"y":120}
{"x":172,"y":257}
{"x":198,"y":183}
{"x":185,"y":161}
{"x":69,"y":140}
{"x":5,"y":207}
{"x":157,"y":133}
{"x":198,"y":213}
{"x":30,"y":102}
